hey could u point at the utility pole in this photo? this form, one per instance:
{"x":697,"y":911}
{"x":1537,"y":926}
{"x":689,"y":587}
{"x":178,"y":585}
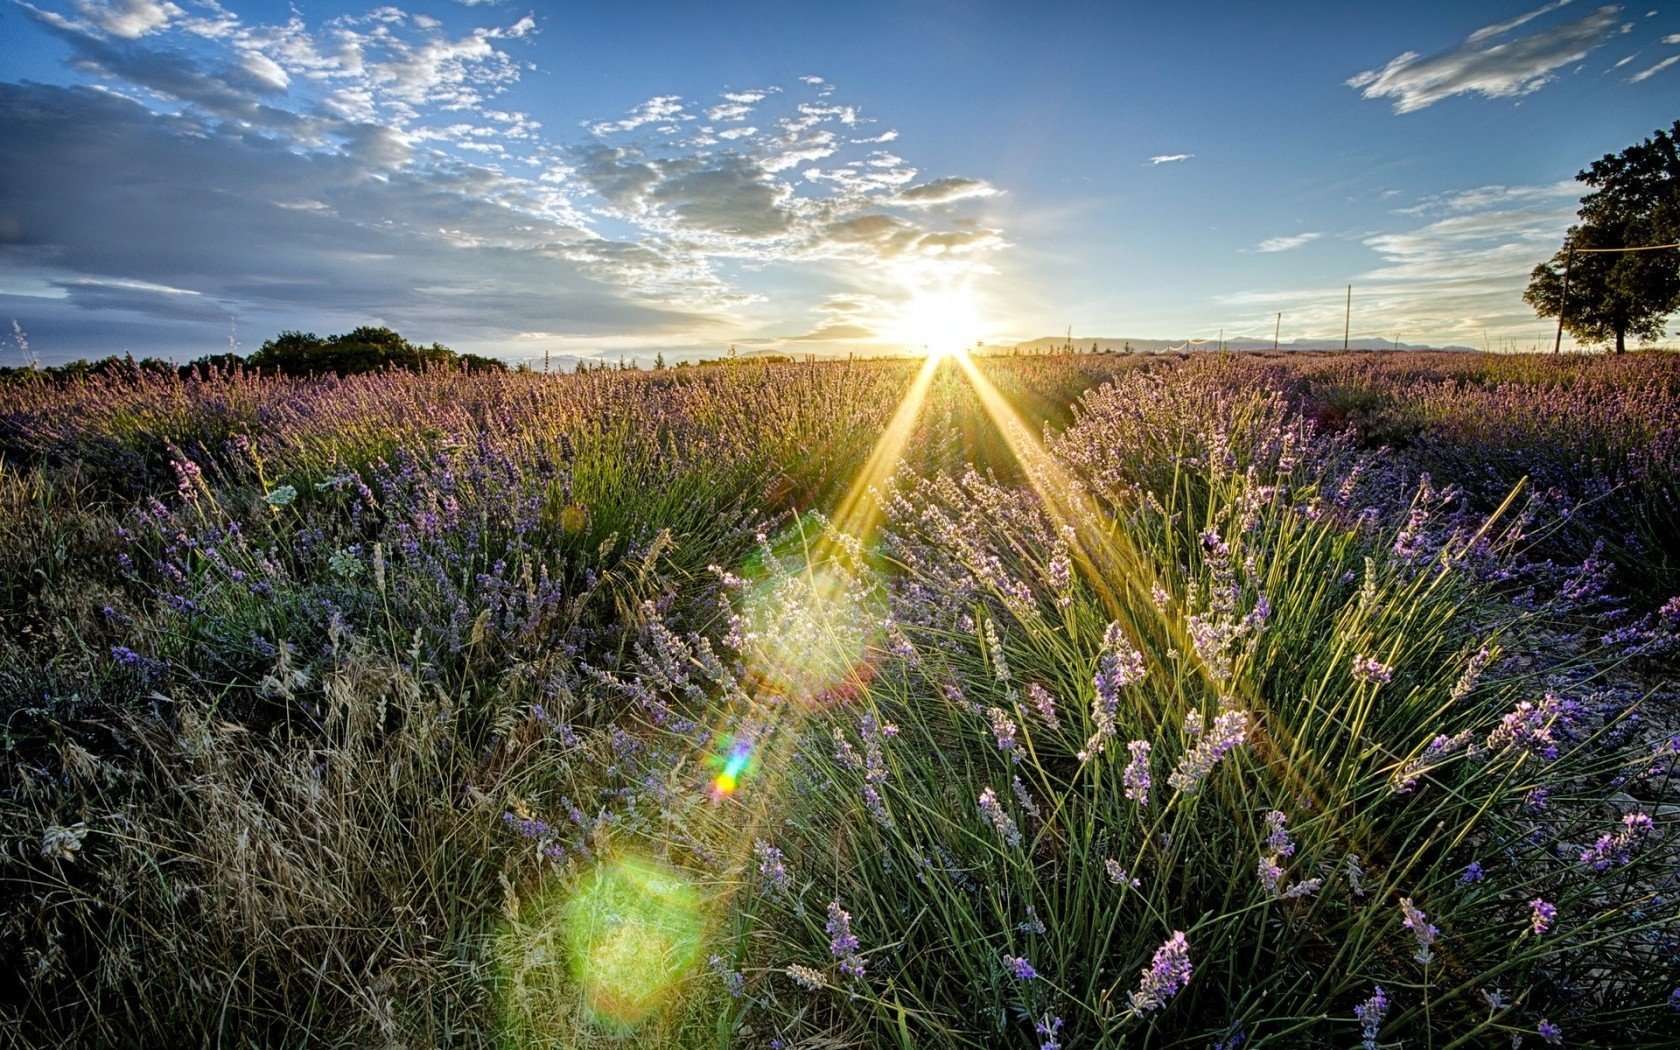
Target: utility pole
{"x":1347,"y":317}
{"x":1563,"y":301}
{"x":1276,"y":329}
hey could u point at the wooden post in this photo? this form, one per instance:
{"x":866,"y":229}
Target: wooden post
{"x":1276,"y":329}
{"x":1563,"y":302}
{"x":1347,"y":317}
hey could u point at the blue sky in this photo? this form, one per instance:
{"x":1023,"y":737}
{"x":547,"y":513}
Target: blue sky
{"x":620,"y":179}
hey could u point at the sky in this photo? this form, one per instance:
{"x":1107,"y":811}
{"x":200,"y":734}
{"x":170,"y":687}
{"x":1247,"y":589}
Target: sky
{"x":617,"y":180}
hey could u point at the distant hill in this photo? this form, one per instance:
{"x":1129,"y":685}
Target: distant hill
{"x":1155,"y":346}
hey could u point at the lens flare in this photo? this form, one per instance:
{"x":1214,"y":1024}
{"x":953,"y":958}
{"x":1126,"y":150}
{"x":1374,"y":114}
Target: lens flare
{"x":811,"y":616}
{"x":734,"y":762}
{"x":633,"y":929}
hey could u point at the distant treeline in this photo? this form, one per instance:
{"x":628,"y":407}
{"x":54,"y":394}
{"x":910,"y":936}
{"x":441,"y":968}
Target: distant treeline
{"x":366,"y":349}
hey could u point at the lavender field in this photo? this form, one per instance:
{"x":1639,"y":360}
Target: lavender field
{"x":1057,"y":702}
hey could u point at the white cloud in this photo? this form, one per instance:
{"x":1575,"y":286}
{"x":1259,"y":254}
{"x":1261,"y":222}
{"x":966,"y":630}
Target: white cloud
{"x":1647,"y":74}
{"x":653,"y":111}
{"x":1672,"y":38}
{"x":1504,"y":69}
{"x":371,"y":159}
{"x":1169,"y":158}
{"x":129,"y":19}
{"x":1284,"y":243}
{"x":1450,"y":279}
{"x":944,"y":191}
{"x":1486,"y":198}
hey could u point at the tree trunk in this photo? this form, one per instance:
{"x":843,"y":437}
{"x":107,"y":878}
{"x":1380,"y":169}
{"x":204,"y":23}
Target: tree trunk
{"x":1621,"y":344}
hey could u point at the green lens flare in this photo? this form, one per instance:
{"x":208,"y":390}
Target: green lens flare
{"x":633,"y":930}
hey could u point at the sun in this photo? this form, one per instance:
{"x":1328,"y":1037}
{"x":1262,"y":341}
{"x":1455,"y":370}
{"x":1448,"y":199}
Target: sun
{"x":937,"y":322}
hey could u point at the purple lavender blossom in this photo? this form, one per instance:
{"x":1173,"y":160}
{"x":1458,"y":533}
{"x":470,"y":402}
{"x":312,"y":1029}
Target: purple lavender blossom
{"x":1020,"y":967}
{"x":1044,"y":703}
{"x":1120,"y":876}
{"x":733,"y":980}
{"x":1119,"y":666}
{"x":1472,"y":873}
{"x":1277,"y":834}
{"x":1551,"y":1033}
{"x":1370,"y":1014}
{"x":1046,"y":1029}
{"x":1541,"y":916}
{"x":1618,"y":847}
{"x":1003,"y":733}
{"x":772,"y":867}
{"x":1135,"y":777}
{"x":1230,"y":731}
{"x":1425,"y":934}
{"x":993,"y":811}
{"x":842,"y":943}
{"x":1165,"y":976}
{"x":1370,"y":669}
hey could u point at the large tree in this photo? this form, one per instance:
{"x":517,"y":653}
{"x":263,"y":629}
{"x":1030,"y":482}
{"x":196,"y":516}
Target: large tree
{"x":1604,"y":295}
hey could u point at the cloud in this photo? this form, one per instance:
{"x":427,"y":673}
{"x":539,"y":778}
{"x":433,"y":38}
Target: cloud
{"x":128,"y":19}
{"x":944,"y":191}
{"x":1647,"y":74}
{"x":1283,"y":244}
{"x":1170,"y":158}
{"x":1449,"y":279}
{"x":365,"y":168}
{"x":1487,"y":198}
{"x":1487,"y":65}
{"x":1672,"y":38}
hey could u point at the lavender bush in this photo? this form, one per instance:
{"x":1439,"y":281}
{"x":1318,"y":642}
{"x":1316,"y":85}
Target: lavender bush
{"x":1205,"y":723}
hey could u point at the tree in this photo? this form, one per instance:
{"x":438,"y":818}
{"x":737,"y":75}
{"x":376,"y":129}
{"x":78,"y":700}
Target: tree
{"x":365,"y":349}
{"x":1602,"y":292}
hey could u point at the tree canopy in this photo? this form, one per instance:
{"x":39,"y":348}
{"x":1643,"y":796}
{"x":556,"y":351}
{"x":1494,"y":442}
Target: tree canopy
{"x":1604,"y":292}
{"x":365,"y":349}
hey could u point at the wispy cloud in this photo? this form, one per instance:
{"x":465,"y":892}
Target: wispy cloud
{"x":1646,"y":74}
{"x":1169,"y":158}
{"x":1283,"y":244}
{"x":1490,"y":62}
{"x":1455,"y":276}
{"x":369,"y":166}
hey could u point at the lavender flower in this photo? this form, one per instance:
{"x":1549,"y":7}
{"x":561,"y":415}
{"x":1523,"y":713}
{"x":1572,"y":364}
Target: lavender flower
{"x":1370,"y":1015}
{"x":1277,"y":835}
{"x":1003,"y":732}
{"x":1136,"y":774}
{"x":1120,"y":876}
{"x":1020,"y":967}
{"x":1416,"y":921}
{"x":1550,"y":1032}
{"x":1165,"y":976}
{"x":806,"y":977}
{"x":772,"y":867}
{"x":1044,"y":704}
{"x":1046,"y":1029}
{"x":842,"y":943}
{"x":732,"y":979}
{"x":1370,"y":669}
{"x":992,"y":809}
{"x":1618,"y":847}
{"x":1541,"y":916}
{"x":1472,"y":873}
{"x":1230,"y":731}
{"x":1118,"y":666}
